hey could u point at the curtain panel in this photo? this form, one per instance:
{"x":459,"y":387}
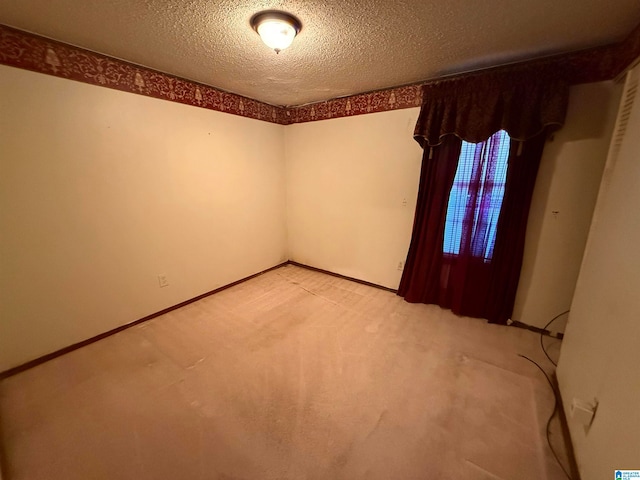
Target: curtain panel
{"x":468,"y":284}
{"x":523,"y":101}
{"x":528,"y":104}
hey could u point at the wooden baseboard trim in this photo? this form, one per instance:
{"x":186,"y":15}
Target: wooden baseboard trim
{"x":344,"y":277}
{"x":75,"y":346}
{"x":4,"y":464}
{"x":50,"y":356}
{"x":566,"y":435}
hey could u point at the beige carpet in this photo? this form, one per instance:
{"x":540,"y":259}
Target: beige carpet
{"x":291,"y":375}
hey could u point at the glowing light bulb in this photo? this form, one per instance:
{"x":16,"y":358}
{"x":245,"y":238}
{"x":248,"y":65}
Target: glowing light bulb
{"x":276,"y":29}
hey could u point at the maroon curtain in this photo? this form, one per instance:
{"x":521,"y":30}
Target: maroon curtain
{"x":527,"y":103}
{"x":512,"y":227}
{"x":468,"y":282}
{"x":524,"y":100}
{"x":420,"y":281}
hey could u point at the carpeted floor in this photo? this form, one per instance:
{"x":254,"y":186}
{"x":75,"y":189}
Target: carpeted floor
{"x":292,"y":375}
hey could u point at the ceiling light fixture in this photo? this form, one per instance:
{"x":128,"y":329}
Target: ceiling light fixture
{"x":277,"y":29}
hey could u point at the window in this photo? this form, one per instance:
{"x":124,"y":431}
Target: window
{"x":476,"y":197}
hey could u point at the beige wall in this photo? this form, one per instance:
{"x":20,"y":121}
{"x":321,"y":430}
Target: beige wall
{"x":347,"y":178}
{"x":600,"y":358}
{"x":347,"y":181}
{"x":567,"y":183}
{"x":101,"y":191}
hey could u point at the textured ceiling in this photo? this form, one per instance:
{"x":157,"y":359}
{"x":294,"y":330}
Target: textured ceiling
{"x":345,"y":46}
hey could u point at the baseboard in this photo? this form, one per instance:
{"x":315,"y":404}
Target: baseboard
{"x":75,"y":346}
{"x":83,"y":343}
{"x":566,"y":435}
{"x":344,"y":277}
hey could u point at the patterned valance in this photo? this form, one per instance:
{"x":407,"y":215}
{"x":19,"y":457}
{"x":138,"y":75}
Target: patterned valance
{"x":524,"y":102}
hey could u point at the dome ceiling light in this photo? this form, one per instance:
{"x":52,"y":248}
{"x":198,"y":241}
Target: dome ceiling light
{"x":277,"y":29}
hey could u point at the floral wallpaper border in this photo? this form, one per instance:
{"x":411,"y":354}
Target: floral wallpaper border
{"x":371,"y":102}
{"x":32,"y":52}
{"x":585,"y":66}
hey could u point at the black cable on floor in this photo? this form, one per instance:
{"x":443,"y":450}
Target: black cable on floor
{"x":545,"y":328}
{"x":553,"y":414}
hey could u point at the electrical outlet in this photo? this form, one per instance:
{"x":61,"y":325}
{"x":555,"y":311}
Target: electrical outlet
{"x":583,"y":412}
{"x":162,"y":280}
{"x":400,"y":266}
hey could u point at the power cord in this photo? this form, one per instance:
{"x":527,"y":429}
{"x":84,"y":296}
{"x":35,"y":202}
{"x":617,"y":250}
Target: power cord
{"x":545,"y":329}
{"x":553,"y":414}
